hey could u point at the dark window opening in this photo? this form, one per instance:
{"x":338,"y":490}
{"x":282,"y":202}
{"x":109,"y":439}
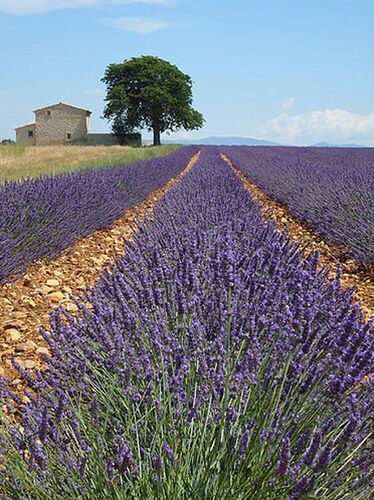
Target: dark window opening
{"x":31,"y":133}
{"x":48,"y":113}
{"x":68,"y":136}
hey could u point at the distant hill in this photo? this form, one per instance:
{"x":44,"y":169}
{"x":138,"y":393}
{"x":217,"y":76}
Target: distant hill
{"x":250,"y":141}
{"x":225,"y":141}
{"x":328,"y":145}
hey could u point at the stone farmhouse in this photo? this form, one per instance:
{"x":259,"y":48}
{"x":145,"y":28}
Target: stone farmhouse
{"x":66,"y":124}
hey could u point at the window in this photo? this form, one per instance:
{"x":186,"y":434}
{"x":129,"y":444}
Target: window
{"x":31,"y":133}
{"x":68,"y":136}
{"x":49,"y":113}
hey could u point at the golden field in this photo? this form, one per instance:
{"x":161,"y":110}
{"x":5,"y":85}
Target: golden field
{"x":21,"y":161}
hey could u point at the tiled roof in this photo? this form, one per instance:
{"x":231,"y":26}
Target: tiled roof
{"x":64,"y":104}
{"x":23,"y":126}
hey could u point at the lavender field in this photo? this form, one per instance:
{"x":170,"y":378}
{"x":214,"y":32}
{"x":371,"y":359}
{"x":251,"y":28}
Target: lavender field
{"x":41,"y":217}
{"x":330,"y":188}
{"x":215,"y":361}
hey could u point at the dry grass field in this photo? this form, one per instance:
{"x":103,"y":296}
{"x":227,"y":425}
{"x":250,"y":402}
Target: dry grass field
{"x":17,"y":161}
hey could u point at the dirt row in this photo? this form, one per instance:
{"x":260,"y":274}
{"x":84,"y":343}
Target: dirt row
{"x":25,"y":304}
{"x":352,"y":275}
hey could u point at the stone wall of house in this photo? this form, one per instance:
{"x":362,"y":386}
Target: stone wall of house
{"x":134,"y":140}
{"x":101,"y":139}
{"x":61,"y":125}
{"x":23,"y":134}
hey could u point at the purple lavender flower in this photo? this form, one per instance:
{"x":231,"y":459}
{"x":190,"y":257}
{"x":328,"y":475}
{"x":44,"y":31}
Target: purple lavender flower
{"x":284,"y":458}
{"x":243,"y":445}
{"x":43,"y":425}
{"x":110,"y":468}
{"x":324,"y":457}
{"x":302,"y":486}
{"x":349,"y":429}
{"x":170,"y":455}
{"x":311,"y":452}
{"x":60,"y":408}
{"x":38,"y":454}
{"x":157,"y":464}
{"x":126,"y":459}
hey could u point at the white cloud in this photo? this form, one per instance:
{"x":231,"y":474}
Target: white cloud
{"x":155,"y":2}
{"x":288,"y":102}
{"x":326,"y":125}
{"x":94,"y":91}
{"x":38,"y":6}
{"x":141,"y":25}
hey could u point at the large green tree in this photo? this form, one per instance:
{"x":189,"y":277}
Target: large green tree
{"x":148,"y":92}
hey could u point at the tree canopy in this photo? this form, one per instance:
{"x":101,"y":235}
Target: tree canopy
{"x":148,"y":92}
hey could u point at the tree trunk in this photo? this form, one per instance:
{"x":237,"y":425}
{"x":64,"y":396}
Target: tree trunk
{"x":156,"y":135}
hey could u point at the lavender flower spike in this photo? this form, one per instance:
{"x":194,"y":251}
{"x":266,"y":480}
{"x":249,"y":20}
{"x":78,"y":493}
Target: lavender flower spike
{"x":312,"y":450}
{"x":284,"y":458}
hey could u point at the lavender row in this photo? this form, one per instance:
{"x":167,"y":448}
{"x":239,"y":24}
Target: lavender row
{"x":41,"y":217}
{"x":331,"y":189}
{"x":213,"y":362}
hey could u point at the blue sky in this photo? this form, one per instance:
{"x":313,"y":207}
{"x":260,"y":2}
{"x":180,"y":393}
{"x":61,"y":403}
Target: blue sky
{"x":292,"y":71}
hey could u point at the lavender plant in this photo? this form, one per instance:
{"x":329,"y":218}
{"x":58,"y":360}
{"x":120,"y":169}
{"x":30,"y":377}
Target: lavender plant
{"x":213,"y":362}
{"x":43,"y":216}
{"x":330,"y":188}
